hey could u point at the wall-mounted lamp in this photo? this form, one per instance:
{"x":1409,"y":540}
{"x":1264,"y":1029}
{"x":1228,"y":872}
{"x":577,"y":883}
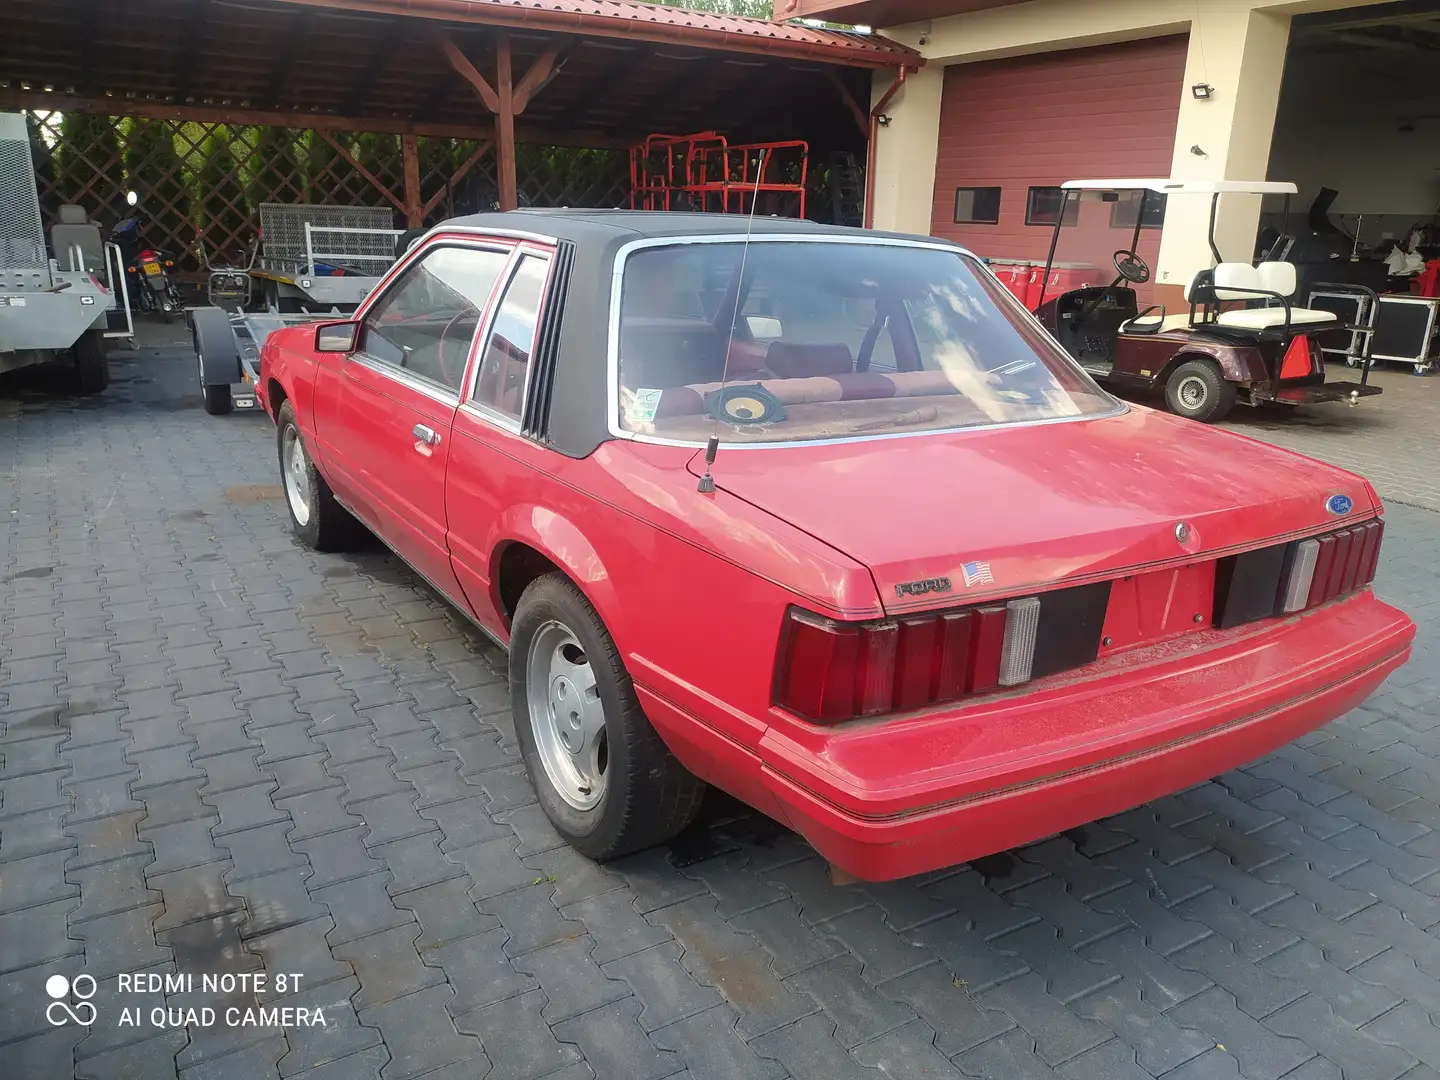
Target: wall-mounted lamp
{"x":1197,"y":151}
{"x":1202,"y":91}
{"x":883,"y":120}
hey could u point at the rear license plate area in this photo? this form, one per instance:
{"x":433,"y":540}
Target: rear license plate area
{"x":1150,"y":607}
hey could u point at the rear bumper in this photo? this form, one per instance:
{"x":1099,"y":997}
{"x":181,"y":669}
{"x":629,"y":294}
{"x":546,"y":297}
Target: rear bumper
{"x":1314,"y":395}
{"x":903,"y":797}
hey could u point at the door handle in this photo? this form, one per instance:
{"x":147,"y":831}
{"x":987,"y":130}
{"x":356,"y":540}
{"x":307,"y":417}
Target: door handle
{"x":428,"y":436}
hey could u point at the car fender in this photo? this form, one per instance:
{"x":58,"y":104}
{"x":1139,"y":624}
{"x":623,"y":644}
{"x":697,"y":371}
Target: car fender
{"x":564,"y":543}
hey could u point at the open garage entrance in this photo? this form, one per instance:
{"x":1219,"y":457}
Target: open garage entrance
{"x":210,"y":108}
{"x":1356,"y":131}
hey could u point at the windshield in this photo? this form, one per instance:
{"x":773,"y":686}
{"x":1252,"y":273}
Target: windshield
{"x":1095,"y":226}
{"x":831,"y":340}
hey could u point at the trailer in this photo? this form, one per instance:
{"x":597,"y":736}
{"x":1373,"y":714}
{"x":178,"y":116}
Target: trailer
{"x":54,"y":301}
{"x":320,"y":258}
{"x":227,"y":348}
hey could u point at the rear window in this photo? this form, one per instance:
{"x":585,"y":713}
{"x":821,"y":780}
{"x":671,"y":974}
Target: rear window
{"x":795,"y":340}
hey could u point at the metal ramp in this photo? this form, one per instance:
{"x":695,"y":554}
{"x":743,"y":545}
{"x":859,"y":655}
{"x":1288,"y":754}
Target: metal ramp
{"x":355,"y":239}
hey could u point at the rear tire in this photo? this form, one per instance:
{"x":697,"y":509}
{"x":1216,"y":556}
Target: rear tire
{"x":318,"y":520}
{"x":92,"y":367}
{"x":1197,"y":390}
{"x":218,"y":401}
{"x":640,"y":795}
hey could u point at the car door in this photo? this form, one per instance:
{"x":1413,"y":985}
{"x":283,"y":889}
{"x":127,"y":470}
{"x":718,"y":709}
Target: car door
{"x":393,"y":403}
{"x":492,"y":463}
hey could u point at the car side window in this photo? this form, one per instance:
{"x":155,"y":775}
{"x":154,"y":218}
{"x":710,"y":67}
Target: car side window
{"x":501,"y":384}
{"x":426,"y":322}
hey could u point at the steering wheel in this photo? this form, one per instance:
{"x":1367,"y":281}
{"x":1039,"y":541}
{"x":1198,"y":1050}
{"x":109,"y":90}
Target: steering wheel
{"x":1131,"y":267}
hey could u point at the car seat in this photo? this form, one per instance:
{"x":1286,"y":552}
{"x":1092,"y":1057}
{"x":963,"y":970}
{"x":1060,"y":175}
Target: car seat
{"x":792,"y":360}
{"x":76,"y":241}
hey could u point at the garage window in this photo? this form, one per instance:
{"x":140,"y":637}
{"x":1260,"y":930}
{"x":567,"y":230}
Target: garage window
{"x":1042,"y":206}
{"x":977,"y":205}
{"x":1124,"y":212}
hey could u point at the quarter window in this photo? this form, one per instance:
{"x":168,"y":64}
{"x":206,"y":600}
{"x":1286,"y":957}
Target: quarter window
{"x":426,"y":322}
{"x":977,"y":205}
{"x":501,"y":384}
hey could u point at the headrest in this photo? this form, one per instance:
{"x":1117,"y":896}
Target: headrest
{"x":1278,"y":277}
{"x":790,"y":360}
{"x":1237,"y":281}
{"x":70,"y":214}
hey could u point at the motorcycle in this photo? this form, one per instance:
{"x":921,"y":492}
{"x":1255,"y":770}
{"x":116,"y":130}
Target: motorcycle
{"x":148,"y":264}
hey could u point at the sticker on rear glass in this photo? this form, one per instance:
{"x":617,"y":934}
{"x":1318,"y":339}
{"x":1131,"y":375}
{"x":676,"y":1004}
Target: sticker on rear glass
{"x":643,"y":406}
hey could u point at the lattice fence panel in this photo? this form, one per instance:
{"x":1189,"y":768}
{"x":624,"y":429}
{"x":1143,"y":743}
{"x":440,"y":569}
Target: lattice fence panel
{"x":206,"y":181}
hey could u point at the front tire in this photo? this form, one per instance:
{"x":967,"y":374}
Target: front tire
{"x":602,"y":774}
{"x":92,"y":367}
{"x":1198,"y":390}
{"x":319,"y":521}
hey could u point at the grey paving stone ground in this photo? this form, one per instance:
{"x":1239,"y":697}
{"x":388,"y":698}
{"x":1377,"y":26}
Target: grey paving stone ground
{"x":223,"y":754}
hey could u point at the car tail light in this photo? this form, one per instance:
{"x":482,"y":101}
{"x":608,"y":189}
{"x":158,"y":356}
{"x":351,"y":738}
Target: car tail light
{"x":831,"y":671}
{"x":1325,"y":567}
{"x":1285,"y":578}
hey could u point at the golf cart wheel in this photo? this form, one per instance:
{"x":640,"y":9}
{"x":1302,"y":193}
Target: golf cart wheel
{"x":319,"y":521}
{"x":92,"y":368}
{"x":604,"y":778}
{"x":1197,"y":390}
{"x":218,"y":401}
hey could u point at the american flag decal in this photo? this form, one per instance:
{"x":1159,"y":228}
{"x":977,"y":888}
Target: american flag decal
{"x":976,"y":573}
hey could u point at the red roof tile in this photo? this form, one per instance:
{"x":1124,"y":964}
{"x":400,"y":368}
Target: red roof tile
{"x":654,"y":22}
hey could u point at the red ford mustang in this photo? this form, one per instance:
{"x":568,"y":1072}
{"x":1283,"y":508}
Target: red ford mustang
{"x":936,"y":594}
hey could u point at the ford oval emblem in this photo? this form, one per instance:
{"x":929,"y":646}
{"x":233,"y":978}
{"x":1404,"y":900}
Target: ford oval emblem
{"x":1339,"y":504}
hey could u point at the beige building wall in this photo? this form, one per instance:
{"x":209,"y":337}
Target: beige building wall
{"x":1236,"y":46}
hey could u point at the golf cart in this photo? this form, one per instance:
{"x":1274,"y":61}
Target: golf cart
{"x":52,"y":302}
{"x":1241,"y":339}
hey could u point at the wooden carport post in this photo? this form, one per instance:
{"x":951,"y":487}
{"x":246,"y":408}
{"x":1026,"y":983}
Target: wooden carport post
{"x":414,"y":203}
{"x":506,"y":99}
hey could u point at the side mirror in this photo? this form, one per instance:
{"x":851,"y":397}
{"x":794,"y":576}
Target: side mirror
{"x":764,"y":327}
{"x":337,"y":337}
{"x":131,"y":198}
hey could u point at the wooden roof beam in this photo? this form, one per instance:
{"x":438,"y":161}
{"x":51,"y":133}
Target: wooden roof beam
{"x":390,"y":38}
{"x":190,"y":46}
{"x":295,"y":39}
{"x":467,"y":71}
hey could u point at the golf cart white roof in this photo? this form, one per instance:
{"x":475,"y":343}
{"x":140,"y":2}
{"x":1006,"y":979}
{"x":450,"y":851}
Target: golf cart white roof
{"x":1187,"y":187}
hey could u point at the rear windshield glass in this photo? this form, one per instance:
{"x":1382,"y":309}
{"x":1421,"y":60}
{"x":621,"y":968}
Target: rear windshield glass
{"x":793,"y":340}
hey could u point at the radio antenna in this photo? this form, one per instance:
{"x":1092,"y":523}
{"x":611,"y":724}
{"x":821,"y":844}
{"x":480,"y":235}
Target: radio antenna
{"x":712,"y":447}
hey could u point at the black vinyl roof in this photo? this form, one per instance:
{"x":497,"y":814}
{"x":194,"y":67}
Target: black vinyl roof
{"x":572,"y":347}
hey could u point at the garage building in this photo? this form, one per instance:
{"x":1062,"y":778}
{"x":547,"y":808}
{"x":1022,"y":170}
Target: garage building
{"x":1015,"y":98}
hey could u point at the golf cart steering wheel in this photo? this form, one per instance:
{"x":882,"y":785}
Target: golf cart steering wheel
{"x":1131,"y":267}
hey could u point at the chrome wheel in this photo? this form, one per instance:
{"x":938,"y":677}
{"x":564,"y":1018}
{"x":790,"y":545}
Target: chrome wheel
{"x":296,"y":470}
{"x":566,"y":716}
{"x":1192,"y":392}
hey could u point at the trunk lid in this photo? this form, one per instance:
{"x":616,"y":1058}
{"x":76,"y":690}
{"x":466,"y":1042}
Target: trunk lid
{"x":946,"y":518}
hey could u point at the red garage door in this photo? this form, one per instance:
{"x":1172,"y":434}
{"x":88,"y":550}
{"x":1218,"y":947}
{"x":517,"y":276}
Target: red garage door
{"x":1037,"y":121}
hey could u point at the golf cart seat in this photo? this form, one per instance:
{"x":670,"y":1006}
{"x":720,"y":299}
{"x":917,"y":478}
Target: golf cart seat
{"x":1156,"y":323}
{"x":75,"y":238}
{"x":1270,"y":281}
